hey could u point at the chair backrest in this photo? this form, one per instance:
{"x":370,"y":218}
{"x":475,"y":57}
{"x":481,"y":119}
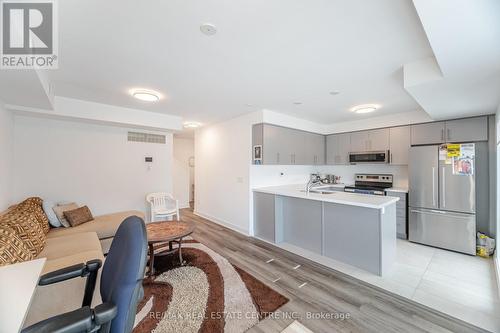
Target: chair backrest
{"x":160,"y":200}
{"x":123,"y":272}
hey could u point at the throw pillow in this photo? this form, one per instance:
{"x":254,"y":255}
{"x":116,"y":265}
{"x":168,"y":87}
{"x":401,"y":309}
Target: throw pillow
{"x":78,"y":216}
{"x":47,"y":208}
{"x":26,"y":225}
{"x":59,"y":211}
{"x":34,"y":205}
{"x":12,"y":248}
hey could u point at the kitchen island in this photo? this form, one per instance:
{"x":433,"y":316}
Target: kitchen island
{"x":356,"y":229}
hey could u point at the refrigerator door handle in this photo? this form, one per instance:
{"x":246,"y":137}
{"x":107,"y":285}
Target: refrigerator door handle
{"x":433,"y":187}
{"x":443,"y":192}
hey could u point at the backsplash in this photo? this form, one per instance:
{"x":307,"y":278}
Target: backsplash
{"x":273,"y":175}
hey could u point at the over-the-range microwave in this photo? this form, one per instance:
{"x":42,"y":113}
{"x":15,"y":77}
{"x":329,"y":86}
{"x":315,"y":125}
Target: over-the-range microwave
{"x":369,"y":157}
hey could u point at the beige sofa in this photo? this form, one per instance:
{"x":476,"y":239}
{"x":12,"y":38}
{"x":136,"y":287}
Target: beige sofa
{"x":68,"y":246}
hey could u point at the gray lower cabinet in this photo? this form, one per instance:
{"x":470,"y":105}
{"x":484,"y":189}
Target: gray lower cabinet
{"x":401,"y":213}
{"x":338,"y":147}
{"x":399,"y":138}
{"x":264,"y":216}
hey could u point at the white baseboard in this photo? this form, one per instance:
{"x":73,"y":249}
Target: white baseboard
{"x":222,"y":222}
{"x":496,"y":261}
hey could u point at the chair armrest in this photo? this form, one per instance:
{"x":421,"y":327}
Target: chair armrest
{"x":70,"y":322}
{"x":66,"y":273}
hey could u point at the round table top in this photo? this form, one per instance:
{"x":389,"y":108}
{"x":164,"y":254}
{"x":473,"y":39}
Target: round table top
{"x":165,"y":231}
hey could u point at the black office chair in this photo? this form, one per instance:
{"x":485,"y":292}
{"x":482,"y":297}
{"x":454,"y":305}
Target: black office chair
{"x":121,"y":286}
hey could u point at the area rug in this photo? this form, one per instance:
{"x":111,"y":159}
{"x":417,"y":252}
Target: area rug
{"x":207,"y":294}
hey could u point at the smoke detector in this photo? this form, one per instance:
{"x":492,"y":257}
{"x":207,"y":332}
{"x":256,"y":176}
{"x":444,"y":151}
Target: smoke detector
{"x":208,"y":29}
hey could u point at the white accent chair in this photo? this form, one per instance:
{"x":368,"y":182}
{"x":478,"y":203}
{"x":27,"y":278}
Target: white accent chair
{"x":163,"y":205}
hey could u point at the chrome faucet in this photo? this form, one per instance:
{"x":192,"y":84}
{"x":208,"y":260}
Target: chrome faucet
{"x":312,"y":181}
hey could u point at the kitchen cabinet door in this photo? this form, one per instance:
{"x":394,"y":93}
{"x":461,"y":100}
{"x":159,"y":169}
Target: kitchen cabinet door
{"x":429,"y":133}
{"x":378,"y":140}
{"x":315,"y":149}
{"x":359,"y":141}
{"x":277,"y":145}
{"x":399,"y":144}
{"x":295,"y":146}
{"x":467,"y":130}
{"x":338,"y":147}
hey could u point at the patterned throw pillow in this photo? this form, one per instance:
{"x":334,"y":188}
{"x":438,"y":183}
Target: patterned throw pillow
{"x":34,"y":205}
{"x":12,"y":248}
{"x":27,"y":227}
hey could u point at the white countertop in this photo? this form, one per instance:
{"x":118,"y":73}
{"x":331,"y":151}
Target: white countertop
{"x":397,"y":189}
{"x":17,"y":288}
{"x":353,"y":199}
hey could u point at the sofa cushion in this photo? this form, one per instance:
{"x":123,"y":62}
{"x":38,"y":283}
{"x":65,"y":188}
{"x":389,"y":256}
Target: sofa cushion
{"x":59,"y":211}
{"x":104,"y":225}
{"x":61,"y":247}
{"x":78,"y":216}
{"x":54,"y":299}
{"x":25,"y":223}
{"x":47,"y":208}
{"x":12,"y":247}
{"x":34,"y":205}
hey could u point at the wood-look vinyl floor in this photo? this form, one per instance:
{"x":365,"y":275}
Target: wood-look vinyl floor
{"x":315,"y":290}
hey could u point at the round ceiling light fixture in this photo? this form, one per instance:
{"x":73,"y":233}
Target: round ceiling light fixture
{"x":191,"y":124}
{"x":146,"y":95}
{"x":365,"y":108}
{"x":208,"y":29}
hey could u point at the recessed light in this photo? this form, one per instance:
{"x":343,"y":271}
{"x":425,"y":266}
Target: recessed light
{"x":146,"y":95}
{"x":208,"y":29}
{"x":191,"y":124}
{"x":334,"y":92}
{"x":297,"y":103}
{"x":249,"y":105}
{"x":365,"y":108}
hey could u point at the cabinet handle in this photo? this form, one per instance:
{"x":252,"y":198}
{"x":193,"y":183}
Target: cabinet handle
{"x":390,"y":159}
{"x":442,"y":134}
{"x":278,"y":158}
{"x":448,"y":133}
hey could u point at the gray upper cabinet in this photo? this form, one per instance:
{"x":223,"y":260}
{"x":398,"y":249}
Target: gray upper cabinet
{"x":429,"y":133}
{"x":338,"y":147}
{"x":274,"y":145}
{"x":463,"y":130}
{"x":460,"y":130}
{"x":399,"y":138}
{"x":315,"y":149}
{"x":378,"y":140}
{"x":359,"y":141}
{"x":374,"y":140}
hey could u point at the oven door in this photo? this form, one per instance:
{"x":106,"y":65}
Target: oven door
{"x":369,"y":157}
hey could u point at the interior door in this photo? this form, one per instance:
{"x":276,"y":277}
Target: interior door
{"x":457,"y":192}
{"x":423,"y":171}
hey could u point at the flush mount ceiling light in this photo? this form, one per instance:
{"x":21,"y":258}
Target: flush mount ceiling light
{"x":365,"y":108}
{"x":334,"y":92}
{"x":146,"y":95}
{"x":208,"y":29}
{"x":191,"y":124}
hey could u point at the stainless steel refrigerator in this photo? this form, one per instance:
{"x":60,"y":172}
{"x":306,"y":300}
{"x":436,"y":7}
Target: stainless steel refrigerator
{"x":442,"y":201}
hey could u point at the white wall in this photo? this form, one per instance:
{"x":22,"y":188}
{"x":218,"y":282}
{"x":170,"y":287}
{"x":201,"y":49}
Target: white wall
{"x":91,"y":164}
{"x":222,"y":171}
{"x":183,"y":176}
{"x":6,"y":149}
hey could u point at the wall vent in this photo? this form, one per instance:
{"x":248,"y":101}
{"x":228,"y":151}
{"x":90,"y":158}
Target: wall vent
{"x":146,"y":137}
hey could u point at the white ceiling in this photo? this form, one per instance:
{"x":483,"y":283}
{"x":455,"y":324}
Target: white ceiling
{"x":266,"y":53}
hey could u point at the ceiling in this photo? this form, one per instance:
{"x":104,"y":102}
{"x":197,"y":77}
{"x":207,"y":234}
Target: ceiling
{"x":268,"y":54}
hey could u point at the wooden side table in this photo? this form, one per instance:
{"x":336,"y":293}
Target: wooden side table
{"x":163,"y":232}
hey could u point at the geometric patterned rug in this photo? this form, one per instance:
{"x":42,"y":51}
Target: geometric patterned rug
{"x":207,"y":294}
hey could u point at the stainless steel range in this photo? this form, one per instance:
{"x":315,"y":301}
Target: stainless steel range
{"x":370,"y":184}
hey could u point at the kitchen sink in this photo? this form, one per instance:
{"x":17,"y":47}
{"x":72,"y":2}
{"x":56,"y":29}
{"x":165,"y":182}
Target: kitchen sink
{"x":318,"y":191}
